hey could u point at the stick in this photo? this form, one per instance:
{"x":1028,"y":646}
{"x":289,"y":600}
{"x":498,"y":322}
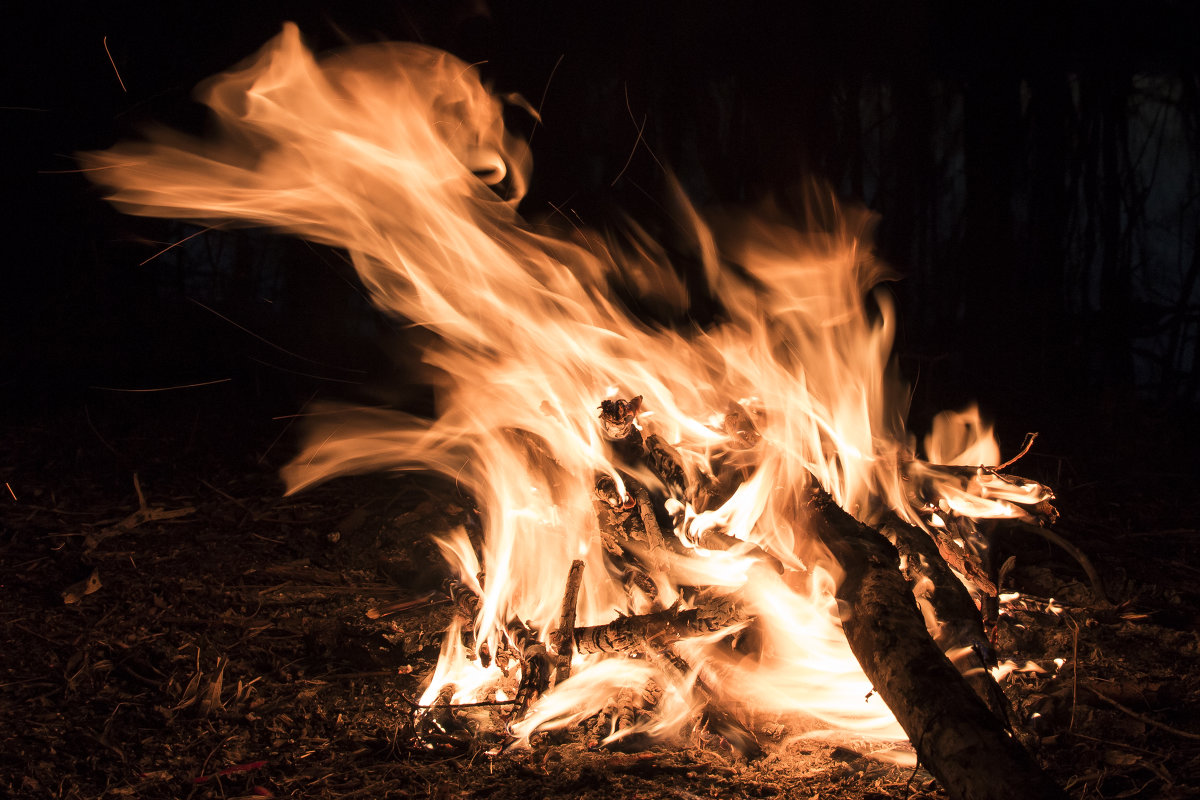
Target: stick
{"x":564,"y":637}
{"x":535,"y":667}
{"x":1143,"y":718}
{"x":1009,"y":526}
{"x":656,"y":630}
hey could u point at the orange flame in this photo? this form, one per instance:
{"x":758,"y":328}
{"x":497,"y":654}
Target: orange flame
{"x":390,"y":151}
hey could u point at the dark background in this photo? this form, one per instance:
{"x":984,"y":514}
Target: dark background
{"x":1034,"y":165}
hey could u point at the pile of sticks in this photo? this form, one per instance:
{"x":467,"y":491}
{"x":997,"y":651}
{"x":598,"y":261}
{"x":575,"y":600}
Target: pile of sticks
{"x":953,"y":712}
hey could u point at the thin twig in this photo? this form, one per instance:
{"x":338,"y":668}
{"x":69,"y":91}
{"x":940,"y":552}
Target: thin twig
{"x":1074,"y":668}
{"x":1143,"y":717}
{"x":481,"y":704}
{"x":1067,"y":547}
{"x":1030,"y":438}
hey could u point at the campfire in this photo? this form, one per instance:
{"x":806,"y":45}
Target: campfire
{"x":709,"y":529}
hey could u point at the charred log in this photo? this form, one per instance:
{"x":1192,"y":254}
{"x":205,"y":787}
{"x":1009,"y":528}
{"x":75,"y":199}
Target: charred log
{"x":616,"y":421}
{"x":657,"y":630}
{"x":957,"y":738}
{"x":535,"y":667}
{"x":958,"y":627}
{"x":563,"y":639}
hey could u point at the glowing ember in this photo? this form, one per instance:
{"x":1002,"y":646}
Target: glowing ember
{"x":389,"y":151}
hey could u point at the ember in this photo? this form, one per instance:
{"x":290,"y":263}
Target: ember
{"x":683,"y":529}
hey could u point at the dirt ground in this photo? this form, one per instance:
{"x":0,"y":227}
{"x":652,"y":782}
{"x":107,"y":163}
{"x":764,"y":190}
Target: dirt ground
{"x":218,"y":643}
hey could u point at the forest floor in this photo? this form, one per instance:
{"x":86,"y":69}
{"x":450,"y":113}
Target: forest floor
{"x":219,"y":644}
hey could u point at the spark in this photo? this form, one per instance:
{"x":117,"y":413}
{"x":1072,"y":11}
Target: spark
{"x":89,"y":169}
{"x":267,"y":342}
{"x":537,"y":117}
{"x":637,"y":140}
{"x":116,"y":71}
{"x":163,"y":388}
{"x":338,"y":410}
{"x":176,"y":244}
{"x":302,"y":374}
{"x":8,"y":486}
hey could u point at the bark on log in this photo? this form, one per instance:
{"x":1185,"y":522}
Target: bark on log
{"x":535,"y":667}
{"x":957,"y":738}
{"x":563,"y":639}
{"x":656,"y":630}
{"x":959,"y":627}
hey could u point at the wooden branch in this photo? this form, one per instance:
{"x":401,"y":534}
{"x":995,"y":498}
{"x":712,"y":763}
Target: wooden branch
{"x":957,"y":738}
{"x":145,"y":513}
{"x":563,"y":639}
{"x":957,"y":555}
{"x":1009,"y":527}
{"x":959,"y":628}
{"x":719,"y":540}
{"x":535,"y":667}
{"x":656,"y":630}
{"x":656,"y":453}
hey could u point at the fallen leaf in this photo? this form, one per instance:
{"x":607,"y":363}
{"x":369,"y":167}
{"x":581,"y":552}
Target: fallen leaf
{"x":77,"y":591}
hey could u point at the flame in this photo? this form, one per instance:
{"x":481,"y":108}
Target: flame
{"x":398,"y":154}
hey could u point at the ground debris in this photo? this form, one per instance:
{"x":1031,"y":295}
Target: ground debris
{"x":238,"y":657}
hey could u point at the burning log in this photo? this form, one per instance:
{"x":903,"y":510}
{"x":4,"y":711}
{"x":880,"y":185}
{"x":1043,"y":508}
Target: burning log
{"x":656,"y":630}
{"x":653,"y":451}
{"x":719,"y":540}
{"x":564,"y":638}
{"x":957,"y":738}
{"x":535,"y":667}
{"x":958,"y":626}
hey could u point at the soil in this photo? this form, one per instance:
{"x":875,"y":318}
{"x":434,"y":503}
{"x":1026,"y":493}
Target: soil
{"x":257,"y":645}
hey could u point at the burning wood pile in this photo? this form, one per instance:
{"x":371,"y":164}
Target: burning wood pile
{"x":736,"y":538}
